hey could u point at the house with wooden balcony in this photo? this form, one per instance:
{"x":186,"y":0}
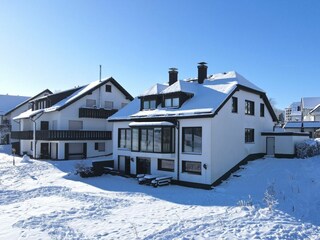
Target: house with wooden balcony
{"x":7,"y":103}
{"x":17,"y":110}
{"x":71,"y":124}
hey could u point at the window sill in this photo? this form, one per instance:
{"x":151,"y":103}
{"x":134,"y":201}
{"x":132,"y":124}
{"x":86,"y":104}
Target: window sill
{"x":124,"y":149}
{"x":193,"y":173}
{"x":166,"y":170}
{"x":191,"y":153}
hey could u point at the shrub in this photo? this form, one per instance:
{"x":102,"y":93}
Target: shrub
{"x":308,"y":148}
{"x":270,"y":197}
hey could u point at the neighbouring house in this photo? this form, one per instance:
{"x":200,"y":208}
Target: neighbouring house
{"x":293,"y":112}
{"x":7,"y":102}
{"x":307,"y":105}
{"x":194,"y":130}
{"x":22,"y":107}
{"x":307,"y":117}
{"x":71,"y":124}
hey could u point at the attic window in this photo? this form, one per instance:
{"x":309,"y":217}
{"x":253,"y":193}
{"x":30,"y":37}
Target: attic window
{"x":149,"y":104}
{"x":171,"y":102}
{"x":108,"y":88}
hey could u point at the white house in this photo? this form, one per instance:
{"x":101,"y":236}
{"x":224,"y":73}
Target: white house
{"x":71,"y":124}
{"x":195,"y":130}
{"x":307,"y":117}
{"x":18,"y":109}
{"x":7,"y":102}
{"x":293,"y":112}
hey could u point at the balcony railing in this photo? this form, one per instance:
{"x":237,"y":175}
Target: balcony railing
{"x":96,"y":113}
{"x":24,"y":135}
{"x":51,"y":135}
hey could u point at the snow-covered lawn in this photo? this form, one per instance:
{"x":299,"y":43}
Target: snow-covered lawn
{"x":45,"y":200}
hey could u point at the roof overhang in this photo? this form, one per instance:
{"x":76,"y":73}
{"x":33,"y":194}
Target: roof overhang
{"x":151,"y":124}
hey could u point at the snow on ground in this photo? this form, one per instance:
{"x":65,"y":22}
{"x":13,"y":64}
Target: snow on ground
{"x":45,"y":200}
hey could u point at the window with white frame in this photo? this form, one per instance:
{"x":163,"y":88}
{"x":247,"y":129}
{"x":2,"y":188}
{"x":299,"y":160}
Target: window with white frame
{"x":91,"y":103}
{"x":108,"y":105}
{"x":75,"y":125}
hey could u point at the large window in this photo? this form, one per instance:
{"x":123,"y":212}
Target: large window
{"x":135,"y":139}
{"x":192,"y":139}
{"x":158,"y":139}
{"x":234,"y":104}
{"x":146,"y":140}
{"x":171,"y":102}
{"x":124,"y":138}
{"x":249,"y":107}
{"x":191,"y":167}
{"x":166,"y":165}
{"x":249,"y":135}
{"x":149,"y":104}
{"x":261,"y":110}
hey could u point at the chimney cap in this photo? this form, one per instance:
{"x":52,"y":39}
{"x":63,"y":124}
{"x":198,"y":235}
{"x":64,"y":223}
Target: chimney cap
{"x":202,"y":63}
{"x":173,"y":69}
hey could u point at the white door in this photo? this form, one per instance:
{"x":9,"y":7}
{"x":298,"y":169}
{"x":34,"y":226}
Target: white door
{"x":270,"y":146}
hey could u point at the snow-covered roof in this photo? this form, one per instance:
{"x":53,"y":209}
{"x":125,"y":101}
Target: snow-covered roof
{"x":144,"y":124}
{"x":310,"y":102}
{"x":207,"y":97}
{"x":295,"y":105}
{"x":72,"y":96}
{"x":28,"y":114}
{"x":306,"y":124}
{"x":315,"y":109}
{"x":8,"y":102}
{"x":154,"y":90}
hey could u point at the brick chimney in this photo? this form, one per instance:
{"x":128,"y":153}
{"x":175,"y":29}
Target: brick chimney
{"x":173,"y":75}
{"x":202,"y":72}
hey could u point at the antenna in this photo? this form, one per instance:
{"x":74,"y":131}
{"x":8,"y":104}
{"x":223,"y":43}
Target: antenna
{"x":100,"y":74}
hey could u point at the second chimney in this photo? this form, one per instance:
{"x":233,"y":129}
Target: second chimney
{"x":202,"y":72}
{"x":173,"y":75}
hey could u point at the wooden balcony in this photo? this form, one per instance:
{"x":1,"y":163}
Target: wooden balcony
{"x":66,"y":135}
{"x":23,"y":135}
{"x":96,"y":113}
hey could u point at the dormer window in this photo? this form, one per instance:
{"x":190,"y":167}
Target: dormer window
{"x":149,"y":104}
{"x":171,"y":102}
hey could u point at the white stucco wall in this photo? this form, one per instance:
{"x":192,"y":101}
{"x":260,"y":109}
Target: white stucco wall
{"x":228,"y":133}
{"x":59,"y":120}
{"x":285,"y":145}
{"x":223,"y":141}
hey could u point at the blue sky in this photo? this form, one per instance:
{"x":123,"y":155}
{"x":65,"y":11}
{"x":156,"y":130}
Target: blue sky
{"x":60,"y":44}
